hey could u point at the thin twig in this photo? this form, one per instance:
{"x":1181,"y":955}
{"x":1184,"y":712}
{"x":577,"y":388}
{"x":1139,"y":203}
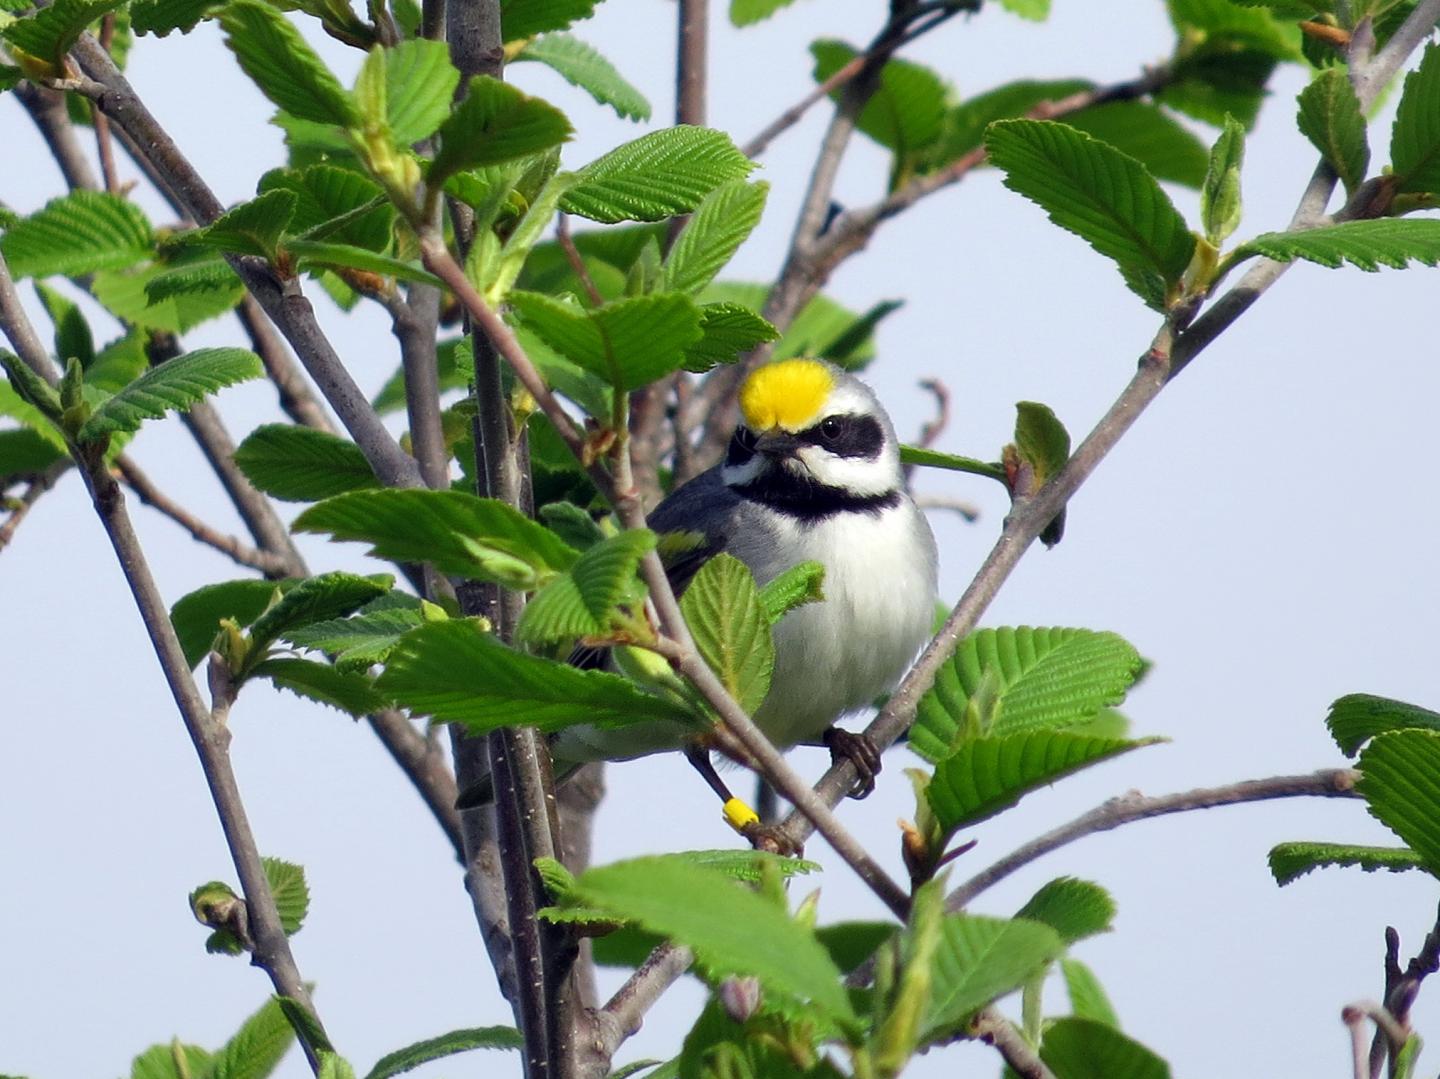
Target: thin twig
{"x":573,"y":256}
{"x":296,"y":399}
{"x":622,"y":1015}
{"x":47,"y":110}
{"x":1134,"y":806}
{"x":992,"y":1028}
{"x":20,"y":506}
{"x":1354,"y":1019}
{"x":268,"y":563}
{"x":104,"y":145}
{"x":414,"y":322}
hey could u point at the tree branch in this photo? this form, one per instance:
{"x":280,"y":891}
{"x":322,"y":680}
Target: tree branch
{"x":1134,"y":806}
{"x":47,"y":110}
{"x":992,"y":1028}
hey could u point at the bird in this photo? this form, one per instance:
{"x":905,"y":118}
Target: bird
{"x":812,"y":474}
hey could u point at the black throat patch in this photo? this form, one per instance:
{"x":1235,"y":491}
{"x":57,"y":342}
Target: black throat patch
{"x":809,"y":502}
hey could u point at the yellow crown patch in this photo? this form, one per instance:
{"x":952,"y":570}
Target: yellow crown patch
{"x":788,"y":394}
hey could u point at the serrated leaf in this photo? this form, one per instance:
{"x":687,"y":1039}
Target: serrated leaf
{"x":1393,"y":242}
{"x":1086,"y":1049}
{"x":284,"y":66}
{"x":292,"y":894}
{"x":1415,"y":137}
{"x":298,"y":464}
{"x":1238,"y":24}
{"x":206,"y":277}
{"x":48,"y":34}
{"x":496,"y":123}
{"x":349,"y":691}
{"x":979,"y":960}
{"x":160,"y":17}
{"x":420,"y":84}
{"x":335,"y":204}
{"x":83,"y":232}
{"x":963,"y":128}
{"x":1042,"y":440}
{"x":1400,"y":782}
{"x":1149,"y":134}
{"x":581,"y":65}
{"x":727,"y":330}
{"x":315,"y":599}
{"x":359,"y":642}
{"x":1075,"y":909}
{"x":314,"y":254}
{"x":722,"y":608}
{"x":749,"y":12}
{"x":800,"y":584}
{"x":1045,"y":678}
{"x":629,"y":343}
{"x":1331,"y":119}
{"x":1290,"y":861}
{"x":526,"y":18}
{"x":823,"y":329}
{"x":582,"y":602}
{"x":731,"y":928}
{"x":1101,"y":195}
{"x":197,"y":615}
{"x":1357,"y":717}
{"x":1087,"y":996}
{"x":456,"y":1041}
{"x":904,"y":112}
{"x":989,"y":774}
{"x":455,"y":673}
{"x":257,"y":1048}
{"x":1220,"y":205}
{"x":251,"y":228}
{"x":656,"y":176}
{"x":174,"y":385}
{"x":712,"y":235}
{"x":126,"y":295}
{"x":172,"y":1060}
{"x":434,"y":527}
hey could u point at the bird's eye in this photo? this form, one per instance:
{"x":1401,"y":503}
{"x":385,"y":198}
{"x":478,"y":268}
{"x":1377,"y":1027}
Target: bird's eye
{"x":831,"y":428}
{"x":744,"y":437}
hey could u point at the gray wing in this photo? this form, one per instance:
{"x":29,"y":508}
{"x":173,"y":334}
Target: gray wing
{"x":706,"y":506}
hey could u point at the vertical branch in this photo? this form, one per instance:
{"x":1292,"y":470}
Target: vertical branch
{"x":46,"y":109}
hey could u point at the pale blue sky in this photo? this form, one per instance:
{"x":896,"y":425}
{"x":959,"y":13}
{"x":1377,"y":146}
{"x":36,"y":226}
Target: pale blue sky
{"x":1265,"y":534}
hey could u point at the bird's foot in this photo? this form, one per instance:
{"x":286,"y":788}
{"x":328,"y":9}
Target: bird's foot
{"x":772,"y":838}
{"x":861,"y":751}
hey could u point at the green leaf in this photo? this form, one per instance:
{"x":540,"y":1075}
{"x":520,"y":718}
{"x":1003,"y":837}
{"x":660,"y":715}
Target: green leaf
{"x":526,"y":18}
{"x":1042,"y":440}
{"x":1291,"y":861}
{"x":1101,"y":195}
{"x":989,"y":774}
{"x":731,"y":928}
{"x":1044,"y":679}
{"x":284,"y":66}
{"x":582,"y":602}
{"x":1167,"y":149}
{"x":309,"y":1029}
{"x":904,"y":112}
{"x":348,"y":691}
{"x":1087,"y":996}
{"x":335,"y":204}
{"x":455,"y":673}
{"x":1075,"y":909}
{"x":174,"y":385}
{"x":1238,"y":24}
{"x":252,"y":228}
{"x":292,"y":894}
{"x":209,"y":275}
{"x":313,"y":254}
{"x":629,"y":343}
{"x":719,"y":226}
{"x":797,"y":586}
{"x":1357,"y":717}
{"x":1331,"y":119}
{"x":1219,"y":77}
{"x":1393,"y":242}
{"x":1400,"y":782}
{"x":928,"y":458}
{"x":126,"y":295}
{"x":173,"y":1060}
{"x":298,"y":464}
{"x":749,"y":12}
{"x":851,"y":943}
{"x":83,"y":232}
{"x":1415,"y":138}
{"x":1220,"y":206}
{"x":197,"y":615}
{"x":1086,"y":1049}
{"x":1034,"y":10}
{"x":333,"y":1066}
{"x":26,"y":452}
{"x":160,"y":17}
{"x":979,"y":960}
{"x":581,"y":65}
{"x":315,"y":599}
{"x":420,"y":84}
{"x":659,"y":175}
{"x":726,"y":331}
{"x":30,"y":399}
{"x":73,"y":339}
{"x":823,"y":328}
{"x":964,"y":125}
{"x":359,"y":642}
{"x":48,"y":34}
{"x":456,"y":1041}
{"x":452,"y":530}
{"x":257,"y":1048}
{"x":496,"y":123}
{"x":723,"y":610}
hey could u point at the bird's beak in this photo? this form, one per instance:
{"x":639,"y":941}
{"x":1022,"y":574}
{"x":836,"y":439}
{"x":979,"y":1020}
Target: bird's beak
{"x":776,"y":443}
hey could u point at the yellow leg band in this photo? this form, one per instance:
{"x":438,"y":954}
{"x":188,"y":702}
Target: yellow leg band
{"x":740,"y":816}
